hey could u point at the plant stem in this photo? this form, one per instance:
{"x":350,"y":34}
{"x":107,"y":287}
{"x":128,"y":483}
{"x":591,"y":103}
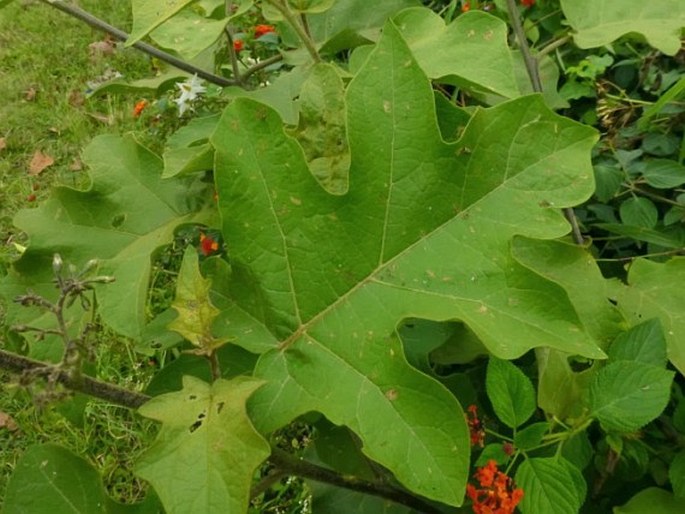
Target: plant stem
{"x":297,"y":26}
{"x":233,"y":56}
{"x":97,"y":23}
{"x":293,"y":465}
{"x":534,"y":75}
{"x":552,"y":46}
{"x":83,"y":384}
{"x":262,"y":64}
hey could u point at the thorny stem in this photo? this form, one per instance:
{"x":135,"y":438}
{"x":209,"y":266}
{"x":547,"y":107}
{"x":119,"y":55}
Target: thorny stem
{"x":297,"y":26}
{"x":304,"y":469}
{"x":534,"y":75}
{"x":149,"y":49}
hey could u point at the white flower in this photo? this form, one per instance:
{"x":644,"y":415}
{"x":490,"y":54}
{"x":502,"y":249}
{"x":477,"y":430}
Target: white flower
{"x":190,"y":89}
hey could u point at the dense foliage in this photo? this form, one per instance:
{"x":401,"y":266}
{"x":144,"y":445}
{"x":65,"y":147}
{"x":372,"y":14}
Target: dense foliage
{"x":395,"y":232}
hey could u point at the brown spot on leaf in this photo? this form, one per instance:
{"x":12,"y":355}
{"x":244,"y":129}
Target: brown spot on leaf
{"x":392,"y":394}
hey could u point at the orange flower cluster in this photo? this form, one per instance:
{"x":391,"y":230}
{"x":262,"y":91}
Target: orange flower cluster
{"x":527,"y":3}
{"x":260,"y":30}
{"x":138,"y":108}
{"x":208,"y":245}
{"x":476,"y":430}
{"x":466,"y":6}
{"x":497,"y":493}
{"x":238,"y":45}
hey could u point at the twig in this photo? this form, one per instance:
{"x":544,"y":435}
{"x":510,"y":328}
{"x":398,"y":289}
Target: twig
{"x":97,"y":23}
{"x":233,"y":56}
{"x":296,"y":24}
{"x":262,"y":64}
{"x":82,"y":384}
{"x":304,"y":469}
{"x":534,"y":75}
{"x":552,"y":46}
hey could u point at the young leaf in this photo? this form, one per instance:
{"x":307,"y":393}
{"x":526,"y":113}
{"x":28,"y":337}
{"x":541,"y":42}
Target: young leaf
{"x":642,"y":343}
{"x":626,"y":395}
{"x":510,"y":391}
{"x":652,"y":500}
{"x":207,"y":449}
{"x":193,"y":305}
{"x":332,"y":276}
{"x":599,"y":22}
{"x":550,"y":486}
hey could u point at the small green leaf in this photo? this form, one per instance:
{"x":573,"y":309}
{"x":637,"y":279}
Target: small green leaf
{"x":664,"y":173}
{"x":609,"y":180}
{"x":531,"y":436}
{"x":195,"y":310}
{"x":494,"y":451}
{"x":652,"y":501}
{"x":676,"y":474}
{"x":510,"y":391}
{"x":550,"y":486}
{"x":578,"y":450}
{"x":207,"y":450}
{"x":642,"y":343}
{"x":626,"y":395}
{"x":639,"y":212}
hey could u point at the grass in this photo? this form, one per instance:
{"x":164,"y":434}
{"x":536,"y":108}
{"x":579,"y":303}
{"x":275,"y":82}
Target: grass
{"x":46,"y":66}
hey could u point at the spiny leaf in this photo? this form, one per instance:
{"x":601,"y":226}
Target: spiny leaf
{"x":332,"y":276}
{"x":207,"y":450}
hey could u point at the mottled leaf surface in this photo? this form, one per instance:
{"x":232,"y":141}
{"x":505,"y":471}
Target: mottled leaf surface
{"x":207,"y":449}
{"x":332,"y":276}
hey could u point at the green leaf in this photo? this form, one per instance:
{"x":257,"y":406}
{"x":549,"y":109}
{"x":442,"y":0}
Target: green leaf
{"x":188,"y":149}
{"x":193,"y":305}
{"x":188,"y":33}
{"x":149,"y":14}
{"x":669,"y":237}
{"x":609,"y":180}
{"x":550,"y":486}
{"x":642,"y":343}
{"x":655,"y":290}
{"x":445,"y":52}
{"x":510,"y":391}
{"x":626,"y":395}
{"x":207,"y":449}
{"x":578,"y":450}
{"x":49,"y":479}
{"x":127,"y":213}
{"x":639,"y":212}
{"x":652,"y":500}
{"x":332,"y":276}
{"x":531,"y":436}
{"x":494,"y":451}
{"x":676,"y":474}
{"x":673,"y":93}
{"x":321,"y":129}
{"x":599,"y":22}
{"x":337,"y":500}
{"x":664,"y":173}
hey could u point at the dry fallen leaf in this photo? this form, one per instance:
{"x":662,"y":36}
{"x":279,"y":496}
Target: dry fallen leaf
{"x":76,"y":165}
{"x":76,"y":98}
{"x":30,"y":94}
{"x":39,"y":162}
{"x":7,"y":421}
{"x":3,"y":143}
{"x":104,"y":47}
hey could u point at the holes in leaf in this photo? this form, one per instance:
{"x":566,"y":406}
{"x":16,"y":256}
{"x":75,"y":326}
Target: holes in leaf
{"x":192,"y":397}
{"x":195,"y":426}
{"x":118,"y":220}
{"x":219,"y":407}
{"x":612,"y":301}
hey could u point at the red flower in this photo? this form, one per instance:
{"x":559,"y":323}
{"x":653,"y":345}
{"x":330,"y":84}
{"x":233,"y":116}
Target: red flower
{"x":476,"y":431}
{"x":527,"y":3}
{"x":497,"y":493}
{"x":238,"y":45}
{"x":260,"y":30}
{"x":139,"y":108}
{"x":466,"y":7}
{"x":207,"y":245}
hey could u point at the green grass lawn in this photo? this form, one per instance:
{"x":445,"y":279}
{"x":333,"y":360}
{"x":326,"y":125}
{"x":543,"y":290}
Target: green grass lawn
{"x":46,"y":69}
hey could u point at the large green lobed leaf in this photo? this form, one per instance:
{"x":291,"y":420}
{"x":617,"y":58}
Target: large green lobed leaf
{"x":127,"y":213}
{"x":423,"y":231}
